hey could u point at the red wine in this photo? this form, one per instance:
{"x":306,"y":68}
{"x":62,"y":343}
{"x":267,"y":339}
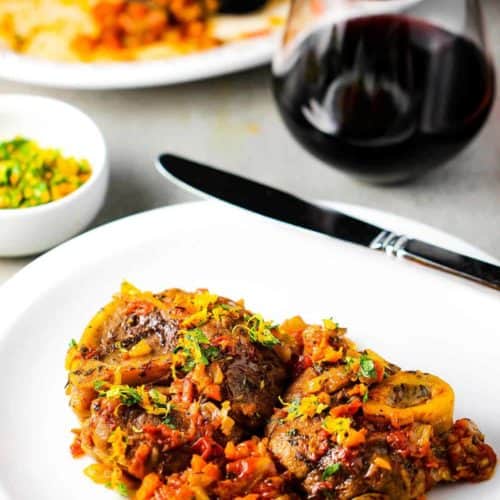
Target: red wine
{"x":385,"y":97}
{"x":240,"y":6}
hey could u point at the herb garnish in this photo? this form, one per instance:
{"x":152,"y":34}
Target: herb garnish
{"x":129,"y":396}
{"x":161,"y":404}
{"x":330,"y":471}
{"x":168,"y":422}
{"x":367,"y":367}
{"x":260,"y":331}
{"x":122,"y":489}
{"x":193,"y":345}
{"x":99,"y":384}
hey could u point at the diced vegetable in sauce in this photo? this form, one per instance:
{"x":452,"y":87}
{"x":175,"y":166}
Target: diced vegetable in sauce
{"x":190,"y":396}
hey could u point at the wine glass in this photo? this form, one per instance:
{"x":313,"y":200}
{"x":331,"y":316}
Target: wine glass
{"x":384,"y":89}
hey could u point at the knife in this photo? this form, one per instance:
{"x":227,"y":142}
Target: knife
{"x":288,"y":208}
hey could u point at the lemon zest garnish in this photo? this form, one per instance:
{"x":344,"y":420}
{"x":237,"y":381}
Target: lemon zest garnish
{"x":204,"y":299}
{"x":201,"y":302}
{"x":129,"y":290}
{"x":329,"y":324}
{"x":218,"y":312}
{"x":336,"y":425}
{"x":308,"y":406}
{"x":118,"y":442}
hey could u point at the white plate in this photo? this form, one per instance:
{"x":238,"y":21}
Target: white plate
{"x":235,"y":56}
{"x":415,"y":316}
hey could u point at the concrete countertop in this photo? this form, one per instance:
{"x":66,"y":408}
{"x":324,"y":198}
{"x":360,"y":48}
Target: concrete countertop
{"x":232,"y":122}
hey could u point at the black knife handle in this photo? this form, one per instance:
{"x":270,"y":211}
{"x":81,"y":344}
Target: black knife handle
{"x":439,"y":258}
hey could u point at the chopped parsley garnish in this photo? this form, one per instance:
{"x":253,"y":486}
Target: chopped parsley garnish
{"x":330,"y":471}
{"x":367,"y":367}
{"x":72,"y":343}
{"x":128,"y":395}
{"x":99,"y":384}
{"x":150,"y":399}
{"x":365,"y":397}
{"x":193,"y":345}
{"x":292,"y":409}
{"x":210,"y":353}
{"x":168,"y":422}
{"x":122,"y":489}
{"x":260,"y":331}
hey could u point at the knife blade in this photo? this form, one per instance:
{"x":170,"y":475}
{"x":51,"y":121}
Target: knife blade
{"x":288,"y":208}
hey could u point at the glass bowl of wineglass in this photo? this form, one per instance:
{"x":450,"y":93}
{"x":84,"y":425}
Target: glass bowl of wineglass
{"x":384,"y":89}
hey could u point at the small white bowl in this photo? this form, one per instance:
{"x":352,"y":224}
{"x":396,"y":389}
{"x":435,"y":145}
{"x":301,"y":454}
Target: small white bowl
{"x":53,"y":124}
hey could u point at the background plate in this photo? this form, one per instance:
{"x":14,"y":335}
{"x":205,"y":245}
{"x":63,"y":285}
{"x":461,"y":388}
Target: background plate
{"x":414,"y":316}
{"x":235,"y":56}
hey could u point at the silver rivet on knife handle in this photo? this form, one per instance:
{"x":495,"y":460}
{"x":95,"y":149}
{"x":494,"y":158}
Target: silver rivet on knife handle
{"x":391,"y":243}
{"x":401,"y":246}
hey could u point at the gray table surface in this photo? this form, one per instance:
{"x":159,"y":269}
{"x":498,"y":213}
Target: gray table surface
{"x":232,"y":122}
